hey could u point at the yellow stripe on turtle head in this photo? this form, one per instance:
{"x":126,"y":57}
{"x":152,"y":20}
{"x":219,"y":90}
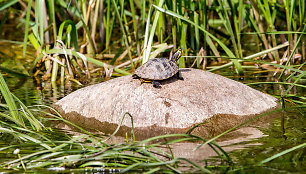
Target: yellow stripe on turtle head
{"x":177,"y":55}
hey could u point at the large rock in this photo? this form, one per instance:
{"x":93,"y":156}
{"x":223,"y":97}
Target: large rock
{"x":174,"y":108}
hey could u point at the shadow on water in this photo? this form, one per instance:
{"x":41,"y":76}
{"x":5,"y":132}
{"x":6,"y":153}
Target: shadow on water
{"x":247,"y":145}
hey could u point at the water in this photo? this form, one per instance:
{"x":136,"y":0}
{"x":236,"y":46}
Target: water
{"x":247,"y":146}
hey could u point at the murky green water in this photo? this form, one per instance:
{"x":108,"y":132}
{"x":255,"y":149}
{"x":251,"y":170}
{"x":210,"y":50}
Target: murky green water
{"x":282,"y":134}
{"x":286,"y":131}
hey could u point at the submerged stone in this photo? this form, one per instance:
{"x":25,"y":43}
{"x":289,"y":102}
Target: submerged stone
{"x":174,"y":108}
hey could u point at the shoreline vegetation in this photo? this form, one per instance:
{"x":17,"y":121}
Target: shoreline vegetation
{"x":71,"y":37}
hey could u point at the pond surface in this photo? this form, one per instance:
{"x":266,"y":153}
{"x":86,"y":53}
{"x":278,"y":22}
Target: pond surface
{"x":247,"y":146}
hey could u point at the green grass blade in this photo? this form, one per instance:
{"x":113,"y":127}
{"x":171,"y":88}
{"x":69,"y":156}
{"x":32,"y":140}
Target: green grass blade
{"x":119,"y":125}
{"x":107,"y":24}
{"x":6,"y":93}
{"x":39,"y":19}
{"x":173,"y":21}
{"x":121,"y":23}
{"x":293,"y":51}
{"x":146,"y":36}
{"x":94,"y":21}
{"x":13,"y":72}
{"x":88,"y":36}
{"x":196,"y":165}
{"x":7,"y":4}
{"x":34,"y":41}
{"x":183,"y":43}
{"x":10,"y":118}
{"x":36,"y":124}
{"x":252,"y":56}
{"x":154,"y":170}
{"x":52,"y":17}
{"x":282,"y":153}
{"x":97,"y":62}
{"x":280,"y":83}
{"x":294,"y":83}
{"x":197,"y":35}
{"x":89,"y":59}
{"x":134,"y":22}
{"x":223,"y":14}
{"x":59,"y":147}
{"x":73,"y":33}
{"x":147,"y":50}
{"x":27,"y":23}
{"x":55,"y":69}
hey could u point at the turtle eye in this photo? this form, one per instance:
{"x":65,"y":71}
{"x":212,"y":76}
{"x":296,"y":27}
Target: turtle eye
{"x":180,"y":50}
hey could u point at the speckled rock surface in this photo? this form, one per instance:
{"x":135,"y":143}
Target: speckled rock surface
{"x":175,"y":107}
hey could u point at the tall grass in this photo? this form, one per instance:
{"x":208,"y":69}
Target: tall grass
{"x":17,"y":113}
{"x":217,"y":26}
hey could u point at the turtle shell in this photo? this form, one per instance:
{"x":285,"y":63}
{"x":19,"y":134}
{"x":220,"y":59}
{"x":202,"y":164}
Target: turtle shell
{"x":157,"y":69}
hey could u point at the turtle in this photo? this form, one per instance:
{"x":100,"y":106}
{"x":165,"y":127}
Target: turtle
{"x":158,"y":69}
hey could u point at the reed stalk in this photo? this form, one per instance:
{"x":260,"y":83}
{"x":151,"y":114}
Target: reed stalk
{"x":183,"y":43}
{"x":135,"y":27}
{"x":25,"y":40}
{"x":173,"y":21}
{"x":52,"y":17}
{"x":149,"y":40}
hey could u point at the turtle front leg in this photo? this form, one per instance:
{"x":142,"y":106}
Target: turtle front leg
{"x":134,"y":76}
{"x":156,"y":84}
{"x":179,"y":75}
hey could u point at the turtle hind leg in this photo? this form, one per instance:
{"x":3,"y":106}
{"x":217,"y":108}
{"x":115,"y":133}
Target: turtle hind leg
{"x":156,"y":84}
{"x":179,"y":75}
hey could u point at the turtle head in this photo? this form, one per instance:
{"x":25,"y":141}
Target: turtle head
{"x":177,"y":55}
